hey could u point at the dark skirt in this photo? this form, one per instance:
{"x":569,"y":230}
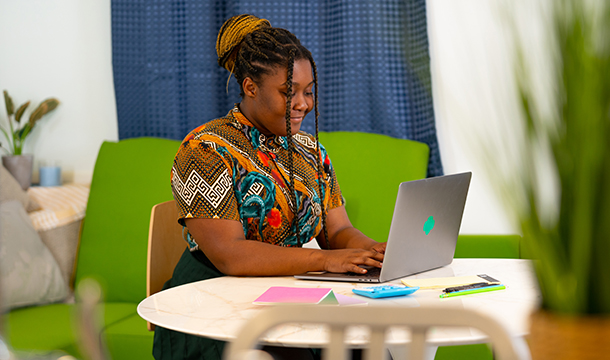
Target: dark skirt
{"x":174,"y":345}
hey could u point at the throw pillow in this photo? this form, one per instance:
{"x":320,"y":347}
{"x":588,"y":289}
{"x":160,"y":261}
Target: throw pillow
{"x":62,"y":242}
{"x":11,"y":190}
{"x":29,"y":275}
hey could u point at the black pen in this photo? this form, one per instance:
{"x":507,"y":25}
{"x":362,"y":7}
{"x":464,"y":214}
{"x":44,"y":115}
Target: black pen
{"x":467,"y":287}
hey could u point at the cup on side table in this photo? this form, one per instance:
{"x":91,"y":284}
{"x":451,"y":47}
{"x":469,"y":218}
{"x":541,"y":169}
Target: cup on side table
{"x":50,"y":176}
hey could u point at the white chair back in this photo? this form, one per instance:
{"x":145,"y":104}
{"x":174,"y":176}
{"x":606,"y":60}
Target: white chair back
{"x":378,"y":319}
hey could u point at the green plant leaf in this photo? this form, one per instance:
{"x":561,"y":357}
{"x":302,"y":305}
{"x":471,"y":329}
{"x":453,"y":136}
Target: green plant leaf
{"x":10,"y":108}
{"x":44,"y":108}
{"x":20,"y":111}
{"x":17,"y":143}
{"x":6,"y":135}
{"x":36,"y":114}
{"x":52,"y":103}
{"x":24,"y":132}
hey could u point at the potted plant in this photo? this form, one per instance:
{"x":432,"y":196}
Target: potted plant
{"x":19,"y":165}
{"x":560,"y":191}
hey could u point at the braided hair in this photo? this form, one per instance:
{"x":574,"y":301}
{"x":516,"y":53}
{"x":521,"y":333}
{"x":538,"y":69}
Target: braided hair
{"x":248,"y":46}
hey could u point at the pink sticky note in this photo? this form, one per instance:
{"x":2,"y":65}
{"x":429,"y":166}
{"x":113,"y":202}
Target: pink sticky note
{"x":283,"y":294}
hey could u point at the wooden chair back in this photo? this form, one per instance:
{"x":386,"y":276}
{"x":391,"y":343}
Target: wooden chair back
{"x":165,"y":247}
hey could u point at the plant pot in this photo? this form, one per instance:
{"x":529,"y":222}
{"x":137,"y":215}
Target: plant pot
{"x":21,"y":167}
{"x":554,"y":336}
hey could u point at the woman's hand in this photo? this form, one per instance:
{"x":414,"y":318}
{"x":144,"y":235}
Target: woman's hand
{"x":347,"y":260}
{"x":379,"y":247}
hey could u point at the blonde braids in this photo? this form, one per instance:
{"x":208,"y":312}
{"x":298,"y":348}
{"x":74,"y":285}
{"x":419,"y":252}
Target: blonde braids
{"x":232,"y":32}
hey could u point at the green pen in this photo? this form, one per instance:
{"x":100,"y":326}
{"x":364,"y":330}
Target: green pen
{"x":473,"y":291}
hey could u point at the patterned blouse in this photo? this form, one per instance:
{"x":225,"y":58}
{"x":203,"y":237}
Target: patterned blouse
{"x":227,"y":169}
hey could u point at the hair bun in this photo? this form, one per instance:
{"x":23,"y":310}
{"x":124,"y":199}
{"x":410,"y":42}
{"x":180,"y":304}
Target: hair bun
{"x":232,"y":32}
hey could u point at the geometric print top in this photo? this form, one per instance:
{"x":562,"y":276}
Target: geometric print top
{"x":227,"y":169}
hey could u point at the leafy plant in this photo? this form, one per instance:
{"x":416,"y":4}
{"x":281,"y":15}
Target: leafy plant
{"x":574,"y":271}
{"x":568,"y":236}
{"x":18,"y":132}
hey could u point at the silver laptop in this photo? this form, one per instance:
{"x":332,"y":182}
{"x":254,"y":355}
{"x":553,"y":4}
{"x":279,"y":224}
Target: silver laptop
{"x":423,"y":233}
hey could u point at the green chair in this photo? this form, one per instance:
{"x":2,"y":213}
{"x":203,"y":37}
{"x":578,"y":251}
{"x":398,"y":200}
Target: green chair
{"x":488,"y":246}
{"x":369,"y":168}
{"x":40,"y":329}
{"x":133,"y":175}
{"x":130,"y":177}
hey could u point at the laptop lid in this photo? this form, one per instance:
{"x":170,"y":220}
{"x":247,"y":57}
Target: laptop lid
{"x":424,"y":229}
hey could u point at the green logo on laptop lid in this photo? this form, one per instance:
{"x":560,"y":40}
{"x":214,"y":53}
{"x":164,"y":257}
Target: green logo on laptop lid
{"x":428,"y":225}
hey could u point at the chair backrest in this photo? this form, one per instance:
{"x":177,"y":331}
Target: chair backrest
{"x":129,"y":178}
{"x":165,"y":246}
{"x":378,"y":319}
{"x":369,"y":168}
{"x":488,"y":246}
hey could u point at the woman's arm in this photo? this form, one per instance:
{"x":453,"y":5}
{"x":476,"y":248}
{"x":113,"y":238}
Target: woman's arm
{"x":224,"y":244}
{"x":343,"y":235}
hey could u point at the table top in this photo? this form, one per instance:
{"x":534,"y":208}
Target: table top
{"x":217,"y":308}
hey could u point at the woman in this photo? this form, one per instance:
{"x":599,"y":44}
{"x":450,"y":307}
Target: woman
{"x":251,"y":188}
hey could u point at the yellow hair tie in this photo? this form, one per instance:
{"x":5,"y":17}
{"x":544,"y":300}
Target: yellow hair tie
{"x":232,"y":32}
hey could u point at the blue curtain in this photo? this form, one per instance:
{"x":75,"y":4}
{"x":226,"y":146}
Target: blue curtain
{"x":372,"y":58}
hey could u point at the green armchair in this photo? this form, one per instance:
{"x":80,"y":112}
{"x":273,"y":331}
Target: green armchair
{"x":130,"y":177}
{"x":133,"y":175}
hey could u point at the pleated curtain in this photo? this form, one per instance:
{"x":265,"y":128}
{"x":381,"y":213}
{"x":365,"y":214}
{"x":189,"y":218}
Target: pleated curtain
{"x":372,"y":58}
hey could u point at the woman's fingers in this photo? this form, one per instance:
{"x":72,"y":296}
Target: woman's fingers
{"x":369,"y":261}
{"x":380,"y":248}
{"x":374,"y":259}
{"x":357,"y":269}
{"x":373,"y":262}
{"x":345,"y":260}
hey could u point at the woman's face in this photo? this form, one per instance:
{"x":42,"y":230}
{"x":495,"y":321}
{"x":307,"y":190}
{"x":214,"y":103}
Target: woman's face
{"x":268,"y":110}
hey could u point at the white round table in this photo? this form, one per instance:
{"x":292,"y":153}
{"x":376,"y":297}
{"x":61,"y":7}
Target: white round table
{"x":217,"y":308}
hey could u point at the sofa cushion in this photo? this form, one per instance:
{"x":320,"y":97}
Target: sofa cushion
{"x":62,"y":242}
{"x":464,"y":352}
{"x":51,"y":327}
{"x":130,"y":177}
{"x":369,"y":168}
{"x":488,"y":246}
{"x":129,"y":339}
{"x":29,"y":274}
{"x":11,"y":190}
{"x":29,"y":328}
{"x":58,"y":221}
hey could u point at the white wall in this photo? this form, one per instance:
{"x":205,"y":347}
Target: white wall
{"x":62,"y":48}
{"x":473,"y":78}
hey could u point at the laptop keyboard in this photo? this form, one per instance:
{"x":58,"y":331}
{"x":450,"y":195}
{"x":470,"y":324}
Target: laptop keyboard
{"x":371,"y":273}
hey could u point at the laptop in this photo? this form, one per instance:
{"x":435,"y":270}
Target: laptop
{"x":423,"y":233}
